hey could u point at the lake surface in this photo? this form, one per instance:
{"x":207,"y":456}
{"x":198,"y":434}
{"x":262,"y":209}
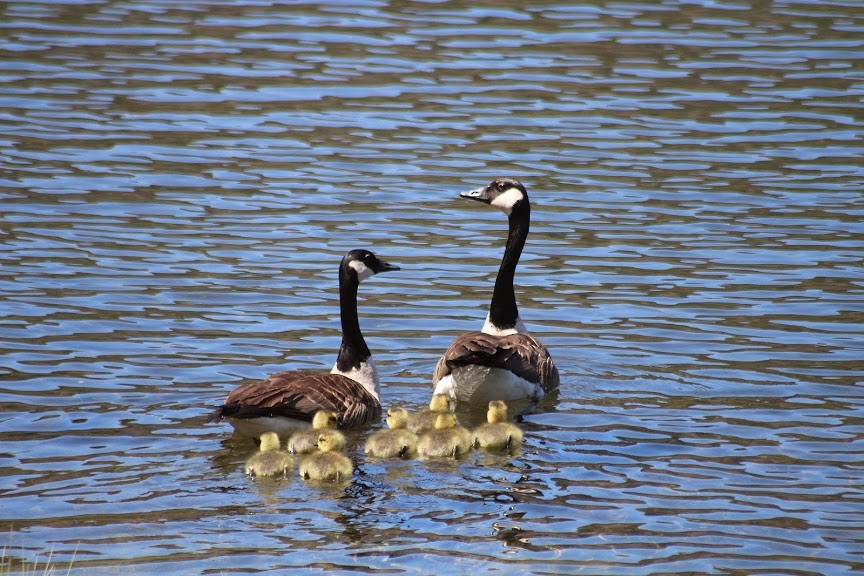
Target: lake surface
{"x":178,"y":182}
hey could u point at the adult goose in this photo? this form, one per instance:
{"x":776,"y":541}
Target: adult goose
{"x":288,"y":400}
{"x":501,"y":361}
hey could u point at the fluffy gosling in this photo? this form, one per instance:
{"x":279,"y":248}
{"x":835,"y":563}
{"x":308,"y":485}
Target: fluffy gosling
{"x":306,"y":441}
{"x":397,"y":442}
{"x":497,"y":433}
{"x":270,"y":460}
{"x":447,"y":440}
{"x":424,"y":421}
{"x":329,"y":463}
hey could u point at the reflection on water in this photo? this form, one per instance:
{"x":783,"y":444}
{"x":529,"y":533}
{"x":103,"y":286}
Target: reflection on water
{"x":178,"y":183}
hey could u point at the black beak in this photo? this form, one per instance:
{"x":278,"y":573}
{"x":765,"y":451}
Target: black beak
{"x":385,"y":267}
{"x":481,"y":194}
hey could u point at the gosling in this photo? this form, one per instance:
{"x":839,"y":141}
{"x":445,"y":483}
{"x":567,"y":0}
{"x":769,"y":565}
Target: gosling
{"x":270,"y":460}
{"x":424,"y":421}
{"x":397,"y":442}
{"x":497,"y":433}
{"x":329,"y":463}
{"x":306,"y":441}
{"x":447,"y":440}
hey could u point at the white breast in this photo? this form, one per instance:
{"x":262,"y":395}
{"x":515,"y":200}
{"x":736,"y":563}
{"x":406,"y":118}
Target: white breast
{"x":480,"y":385}
{"x":366,"y":375}
{"x":489,"y":328}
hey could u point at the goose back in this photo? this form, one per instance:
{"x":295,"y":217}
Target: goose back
{"x":520,"y":354}
{"x":299,"y":394}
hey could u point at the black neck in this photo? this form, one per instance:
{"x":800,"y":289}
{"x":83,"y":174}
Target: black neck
{"x":503,"y":312}
{"x":353,"y":350}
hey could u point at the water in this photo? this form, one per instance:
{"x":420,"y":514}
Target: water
{"x":179,"y":181}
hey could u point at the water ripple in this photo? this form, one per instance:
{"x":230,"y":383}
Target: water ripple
{"x":178,"y":182}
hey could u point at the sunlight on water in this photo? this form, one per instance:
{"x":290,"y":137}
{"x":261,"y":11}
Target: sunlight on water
{"x":179,"y":182}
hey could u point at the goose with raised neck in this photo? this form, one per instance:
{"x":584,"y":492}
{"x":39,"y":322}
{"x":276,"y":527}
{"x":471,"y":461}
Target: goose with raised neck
{"x":501,"y":361}
{"x":288,"y":400}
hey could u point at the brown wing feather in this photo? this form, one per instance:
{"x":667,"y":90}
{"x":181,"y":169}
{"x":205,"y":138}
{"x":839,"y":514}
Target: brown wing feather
{"x":441,"y":369}
{"x":521,"y":354}
{"x":299,"y":394}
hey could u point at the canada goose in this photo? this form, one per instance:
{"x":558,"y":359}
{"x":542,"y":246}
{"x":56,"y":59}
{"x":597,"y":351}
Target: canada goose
{"x":305,"y":441}
{"x":447,"y":440}
{"x":270,"y":460}
{"x":501,"y":361}
{"x":329,"y":463}
{"x":423,"y":421}
{"x":396,"y":442}
{"x":497,"y":433}
{"x":287,"y":400}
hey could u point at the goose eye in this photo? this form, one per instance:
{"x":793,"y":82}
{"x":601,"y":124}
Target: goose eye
{"x":501,"y":186}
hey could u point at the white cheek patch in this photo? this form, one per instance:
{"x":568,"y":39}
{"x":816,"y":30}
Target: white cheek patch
{"x":506,"y":200}
{"x":363,"y":271}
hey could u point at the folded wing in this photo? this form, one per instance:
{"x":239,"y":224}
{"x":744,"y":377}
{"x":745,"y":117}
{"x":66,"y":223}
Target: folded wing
{"x":299,"y":394}
{"x":521,"y":354}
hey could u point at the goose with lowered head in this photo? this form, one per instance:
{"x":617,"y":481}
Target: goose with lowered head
{"x":288,"y":400}
{"x":501,"y":361}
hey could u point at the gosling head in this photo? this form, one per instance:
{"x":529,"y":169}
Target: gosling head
{"x":397,"y":417}
{"x":445,"y":420}
{"x":497,"y":412}
{"x":505,"y":194}
{"x":325,"y":419}
{"x":330,"y":441}
{"x":439,"y":403}
{"x":269,"y":442}
{"x":363,"y":264}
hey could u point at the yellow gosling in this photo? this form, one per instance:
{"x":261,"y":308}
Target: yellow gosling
{"x":329,"y":463}
{"x":270,"y":460}
{"x":447,"y":440}
{"x":497,"y":433}
{"x":306,"y":441}
{"x":397,"y":442}
{"x":424,"y":421}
